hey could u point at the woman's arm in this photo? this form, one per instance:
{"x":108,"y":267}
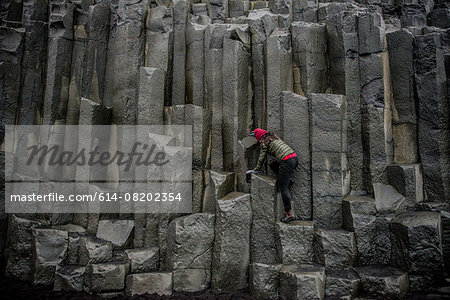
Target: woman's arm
{"x":262,"y":156}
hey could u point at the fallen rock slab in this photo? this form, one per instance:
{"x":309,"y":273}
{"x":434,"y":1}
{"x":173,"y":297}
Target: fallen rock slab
{"x":149,"y":283}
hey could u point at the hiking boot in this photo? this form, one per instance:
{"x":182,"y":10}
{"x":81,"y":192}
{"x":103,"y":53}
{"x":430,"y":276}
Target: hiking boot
{"x":287,"y":219}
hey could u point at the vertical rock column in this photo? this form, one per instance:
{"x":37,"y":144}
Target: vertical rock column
{"x":59,"y":57}
{"x":433,"y":121}
{"x":262,"y":23}
{"x":309,"y":46}
{"x":231,"y":250}
{"x":93,"y":84}
{"x":237,"y":96}
{"x":150,"y":104}
{"x":295,"y":121}
{"x":329,"y":158}
{"x":278,"y":59}
{"x":401,"y":59}
{"x":11,"y":50}
{"x":180,"y":11}
{"x":125,"y":57}
{"x":35,"y":21}
{"x":195,"y":63}
{"x":159,"y":45}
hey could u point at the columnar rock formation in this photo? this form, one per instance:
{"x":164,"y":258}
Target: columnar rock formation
{"x":359,"y":89}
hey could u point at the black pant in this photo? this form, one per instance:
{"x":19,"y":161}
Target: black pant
{"x":284,"y":170}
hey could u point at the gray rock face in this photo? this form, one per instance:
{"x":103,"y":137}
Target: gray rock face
{"x":191,"y":280}
{"x":126,"y":51}
{"x":263,"y":202}
{"x":417,"y":247}
{"x":90,"y":249}
{"x":278,"y":62}
{"x":329,"y":158}
{"x":405,"y":143}
{"x":408,"y":181}
{"x":118,"y":232}
{"x":196,"y":116}
{"x":231,"y":254}
{"x":218,"y":10}
{"x":158,"y":282}
{"x":218,"y":185}
{"x":280,"y":6}
{"x":310,"y":57}
{"x":305,"y":10}
{"x":264,"y":280}
{"x":296,"y":133}
{"x":159,"y":45}
{"x":342,"y":283}
{"x":433,"y":124}
{"x":180,"y":8}
{"x":401,"y":60}
{"x":19,"y":251}
{"x":105,"y":277}
{"x":388,"y":199}
{"x":372,"y":233}
{"x":69,"y":278}
{"x":190,"y":240}
{"x":150,"y":103}
{"x":302,"y":282}
{"x":236,"y":95}
{"x":295,"y":242}
{"x":142,"y":260}
{"x":335,"y":248}
{"x":50,"y":249}
{"x":385,"y":282}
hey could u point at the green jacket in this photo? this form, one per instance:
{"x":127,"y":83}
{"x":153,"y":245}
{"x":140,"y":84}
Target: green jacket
{"x":277,"y":148}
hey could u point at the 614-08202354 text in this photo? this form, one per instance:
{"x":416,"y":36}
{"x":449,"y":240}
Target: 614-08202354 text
{"x":97,"y":196}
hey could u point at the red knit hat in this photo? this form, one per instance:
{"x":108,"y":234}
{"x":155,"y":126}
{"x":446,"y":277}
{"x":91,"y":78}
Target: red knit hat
{"x":258,"y":133}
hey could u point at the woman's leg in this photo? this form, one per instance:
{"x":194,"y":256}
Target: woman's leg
{"x":275,"y":167}
{"x":284,"y":178}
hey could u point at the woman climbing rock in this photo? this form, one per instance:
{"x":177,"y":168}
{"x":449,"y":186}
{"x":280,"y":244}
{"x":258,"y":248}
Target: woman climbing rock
{"x":285,"y":164}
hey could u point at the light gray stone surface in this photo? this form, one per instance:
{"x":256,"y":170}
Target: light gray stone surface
{"x":105,"y":277}
{"x":118,"y":232}
{"x":142,"y":260}
{"x":217,"y":186}
{"x":191,"y":280}
{"x":264,"y":280}
{"x":263,"y":202}
{"x":190,"y":241}
{"x":150,"y":102}
{"x":231,"y":253}
{"x":295,"y":242}
{"x":335,"y":248}
{"x":157,"y":282}
{"x":305,"y":281}
{"x":342,"y":283}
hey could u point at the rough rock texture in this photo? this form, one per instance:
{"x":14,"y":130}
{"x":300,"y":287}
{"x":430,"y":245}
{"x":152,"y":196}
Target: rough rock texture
{"x":150,"y":103}
{"x":263,"y":202}
{"x":295,"y":242}
{"x":342,"y":283}
{"x":105,"y":277}
{"x":118,"y":232}
{"x":90,"y":249}
{"x":433,"y":124}
{"x":50,"y":249}
{"x":302,"y":282}
{"x":190,"y":240}
{"x":296,"y":133}
{"x":158,"y":282}
{"x":69,"y":278}
{"x":384,"y":282}
{"x":217,"y":186}
{"x":191,"y":280}
{"x":335,"y":248}
{"x":329,"y":158}
{"x":417,"y":247}
{"x":142,"y":260}
{"x":408,"y":181}
{"x":231,"y":253}
{"x":372,"y":233}
{"x":264,"y":280}
{"x":388,"y":199}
